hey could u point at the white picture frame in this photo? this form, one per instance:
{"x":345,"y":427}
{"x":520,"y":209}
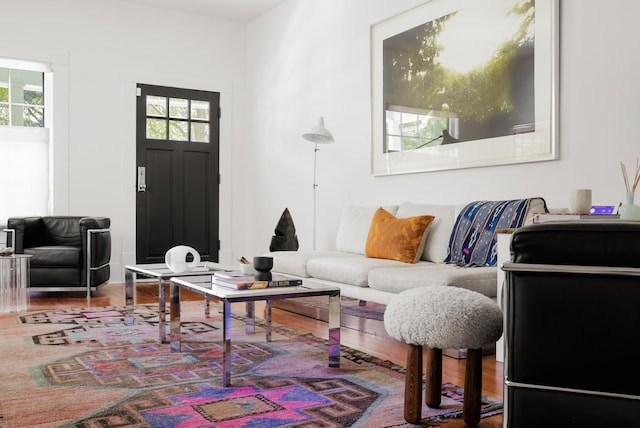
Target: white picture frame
{"x":538,"y":141}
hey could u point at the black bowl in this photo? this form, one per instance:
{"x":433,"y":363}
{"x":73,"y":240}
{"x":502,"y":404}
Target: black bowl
{"x":263,"y":264}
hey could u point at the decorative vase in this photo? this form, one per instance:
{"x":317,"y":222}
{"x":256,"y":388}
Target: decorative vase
{"x":177,"y":258}
{"x":580,"y":202}
{"x":263,"y":266}
{"x":628,"y":210}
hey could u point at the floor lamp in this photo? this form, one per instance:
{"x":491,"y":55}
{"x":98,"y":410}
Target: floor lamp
{"x":317,"y":135}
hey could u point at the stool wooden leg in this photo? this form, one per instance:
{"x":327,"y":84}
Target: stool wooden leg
{"x":472,"y":387}
{"x":433,"y":388}
{"x":413,"y":385}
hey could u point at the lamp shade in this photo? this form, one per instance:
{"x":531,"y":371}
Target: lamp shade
{"x":319,"y":134}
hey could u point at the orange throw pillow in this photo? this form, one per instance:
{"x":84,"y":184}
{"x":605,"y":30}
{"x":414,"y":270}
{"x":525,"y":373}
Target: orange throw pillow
{"x":399,"y":239}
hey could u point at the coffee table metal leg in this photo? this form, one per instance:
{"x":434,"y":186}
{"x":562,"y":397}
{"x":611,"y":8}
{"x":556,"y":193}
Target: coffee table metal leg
{"x":267,"y":320}
{"x":162,"y":310}
{"x":333,"y":347}
{"x":207,"y":304}
{"x":129,"y":281}
{"x":250,"y":320}
{"x":176,"y":345}
{"x":226,"y":343}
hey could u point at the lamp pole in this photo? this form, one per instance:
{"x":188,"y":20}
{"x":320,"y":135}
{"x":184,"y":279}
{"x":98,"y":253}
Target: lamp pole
{"x":317,"y":135}
{"x":315,"y":194}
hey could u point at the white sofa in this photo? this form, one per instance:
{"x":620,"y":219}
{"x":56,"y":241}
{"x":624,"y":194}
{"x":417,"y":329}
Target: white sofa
{"x":378,"y":280}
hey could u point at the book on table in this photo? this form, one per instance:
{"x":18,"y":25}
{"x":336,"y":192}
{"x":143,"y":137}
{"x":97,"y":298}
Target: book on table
{"x":547,"y":217}
{"x":239,"y":281}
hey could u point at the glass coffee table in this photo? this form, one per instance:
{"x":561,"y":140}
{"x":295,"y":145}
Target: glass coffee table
{"x":227,"y":296}
{"x":161,"y":273}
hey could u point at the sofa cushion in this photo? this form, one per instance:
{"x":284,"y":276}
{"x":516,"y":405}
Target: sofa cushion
{"x":62,"y":230}
{"x":435,"y":247}
{"x":394,"y":280}
{"x":295,"y":262}
{"x":354,"y":227}
{"x":400,"y":239}
{"x":473,"y":239}
{"x":352,"y":270}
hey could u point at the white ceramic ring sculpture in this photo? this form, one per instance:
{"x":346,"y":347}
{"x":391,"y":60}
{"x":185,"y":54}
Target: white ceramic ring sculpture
{"x":176,"y":258}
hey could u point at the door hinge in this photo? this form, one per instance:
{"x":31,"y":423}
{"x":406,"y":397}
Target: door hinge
{"x":219,"y":245}
{"x":219,"y":178}
{"x":138,"y":91}
{"x":219,"y":112}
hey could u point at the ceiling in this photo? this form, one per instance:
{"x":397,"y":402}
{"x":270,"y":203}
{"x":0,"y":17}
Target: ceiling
{"x":238,"y":10}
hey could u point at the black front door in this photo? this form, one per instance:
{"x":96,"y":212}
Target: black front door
{"x":177,"y":202}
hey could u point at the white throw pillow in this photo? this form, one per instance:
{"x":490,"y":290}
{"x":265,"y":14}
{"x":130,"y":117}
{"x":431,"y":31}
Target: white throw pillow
{"x":353,"y":229}
{"x":439,"y":232}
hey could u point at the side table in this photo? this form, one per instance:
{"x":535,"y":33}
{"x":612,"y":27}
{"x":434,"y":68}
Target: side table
{"x":14,"y":282}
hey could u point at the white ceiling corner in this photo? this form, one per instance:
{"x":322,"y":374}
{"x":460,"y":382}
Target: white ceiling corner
{"x":237,"y":10}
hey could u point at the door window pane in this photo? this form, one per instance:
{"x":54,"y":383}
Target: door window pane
{"x":156,"y":106}
{"x":183,"y":119}
{"x":200,"y":110}
{"x":156,"y":129}
{"x":199,"y":132}
{"x":179,"y":130}
{"x":178,"y":108}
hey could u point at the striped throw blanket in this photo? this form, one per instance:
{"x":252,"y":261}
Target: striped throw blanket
{"x":473,"y":239}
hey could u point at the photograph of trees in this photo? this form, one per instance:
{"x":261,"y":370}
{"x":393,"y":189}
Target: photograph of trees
{"x":465,"y":76}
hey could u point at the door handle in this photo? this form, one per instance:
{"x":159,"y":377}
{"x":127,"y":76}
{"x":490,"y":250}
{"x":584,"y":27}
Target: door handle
{"x":142,"y":179}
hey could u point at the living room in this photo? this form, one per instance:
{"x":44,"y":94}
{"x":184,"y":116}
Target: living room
{"x":276,"y":74}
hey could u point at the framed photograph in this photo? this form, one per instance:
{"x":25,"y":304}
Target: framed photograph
{"x":465,"y":83}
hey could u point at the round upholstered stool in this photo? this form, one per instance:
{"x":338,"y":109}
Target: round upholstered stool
{"x":438,"y":318}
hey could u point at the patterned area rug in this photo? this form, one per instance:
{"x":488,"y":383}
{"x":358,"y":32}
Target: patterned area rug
{"x":109,"y":375}
{"x":105,"y":315}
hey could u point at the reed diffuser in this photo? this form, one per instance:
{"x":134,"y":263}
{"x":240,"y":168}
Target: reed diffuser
{"x":631,"y":185}
{"x":628,"y":210}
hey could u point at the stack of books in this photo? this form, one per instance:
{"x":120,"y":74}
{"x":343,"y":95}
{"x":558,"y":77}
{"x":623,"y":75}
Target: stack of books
{"x":238,"y":281}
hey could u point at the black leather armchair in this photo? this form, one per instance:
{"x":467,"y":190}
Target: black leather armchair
{"x":572,"y":311}
{"x":69,"y":253}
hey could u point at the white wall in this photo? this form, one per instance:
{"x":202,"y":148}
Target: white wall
{"x":301,"y":60}
{"x":100,"y":50}
{"x":311,"y":58}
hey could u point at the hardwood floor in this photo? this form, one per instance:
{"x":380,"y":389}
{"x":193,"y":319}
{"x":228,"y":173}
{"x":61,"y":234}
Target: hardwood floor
{"x":147,"y":292}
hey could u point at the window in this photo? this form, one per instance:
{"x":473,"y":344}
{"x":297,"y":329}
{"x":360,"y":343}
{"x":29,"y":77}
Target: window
{"x":24,"y":139}
{"x":177,"y":119}
{"x":21,"y":97}
{"x":411,"y":128}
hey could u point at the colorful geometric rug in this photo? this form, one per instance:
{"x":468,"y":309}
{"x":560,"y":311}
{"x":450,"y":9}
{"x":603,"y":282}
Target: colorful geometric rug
{"x":111,"y":375}
{"x":105,"y":315}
